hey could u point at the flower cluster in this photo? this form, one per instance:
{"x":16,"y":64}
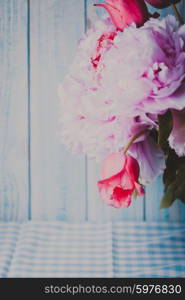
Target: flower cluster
{"x":129,"y":70}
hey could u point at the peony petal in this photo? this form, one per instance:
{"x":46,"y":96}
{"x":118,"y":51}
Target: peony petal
{"x":175,"y":101}
{"x":98,"y":105}
{"x":104,"y":43}
{"x":177,"y":136}
{"x":151,"y":159}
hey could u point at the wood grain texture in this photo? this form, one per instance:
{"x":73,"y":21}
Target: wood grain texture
{"x":58,"y":178}
{"x":39,"y":179}
{"x":13,"y":111}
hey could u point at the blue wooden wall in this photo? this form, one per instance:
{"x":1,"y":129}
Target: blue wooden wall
{"x":39,"y":179}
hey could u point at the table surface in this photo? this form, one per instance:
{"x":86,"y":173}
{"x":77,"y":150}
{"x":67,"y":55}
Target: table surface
{"x":125,"y":249}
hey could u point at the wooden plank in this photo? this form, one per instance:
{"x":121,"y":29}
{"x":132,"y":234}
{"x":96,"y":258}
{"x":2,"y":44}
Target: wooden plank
{"x":97,"y":210}
{"x":58,"y":177}
{"x":13,"y":111}
{"x":154,"y":192}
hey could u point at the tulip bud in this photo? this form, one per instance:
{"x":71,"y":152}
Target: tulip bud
{"x":126,"y":12}
{"x":120,"y":180}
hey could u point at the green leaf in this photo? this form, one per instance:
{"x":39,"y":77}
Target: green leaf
{"x":182,"y":200}
{"x":172,"y":164}
{"x":135,"y":194}
{"x":174,"y":174}
{"x":174,"y":179}
{"x":165,"y":128}
{"x":168,"y":197}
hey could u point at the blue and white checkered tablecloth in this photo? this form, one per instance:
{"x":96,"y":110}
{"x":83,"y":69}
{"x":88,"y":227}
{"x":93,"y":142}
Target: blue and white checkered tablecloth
{"x":126,"y":249}
{"x":9,"y":233}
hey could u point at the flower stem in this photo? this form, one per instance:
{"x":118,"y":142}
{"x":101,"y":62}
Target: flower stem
{"x":135,"y":137}
{"x":178,"y":15}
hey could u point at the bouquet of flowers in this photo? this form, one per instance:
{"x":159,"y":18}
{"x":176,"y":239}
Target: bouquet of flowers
{"x":123,"y":100}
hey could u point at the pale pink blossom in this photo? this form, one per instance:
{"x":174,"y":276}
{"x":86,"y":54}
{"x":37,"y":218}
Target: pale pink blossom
{"x":139,"y":74}
{"x":145,"y":67}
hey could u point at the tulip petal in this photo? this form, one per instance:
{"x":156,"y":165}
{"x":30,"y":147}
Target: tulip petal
{"x":117,"y":189}
{"x":127,"y":181}
{"x":116,"y":17}
{"x":121,"y":198}
{"x":126,"y":12}
{"x":133,"y":170}
{"x":140,"y":189}
{"x":132,"y":167}
{"x":177,"y":136}
{"x":111,"y":182}
{"x":112,"y":165}
{"x":105,"y":191}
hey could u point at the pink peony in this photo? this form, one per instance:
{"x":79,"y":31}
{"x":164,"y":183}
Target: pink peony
{"x":148,"y":64}
{"x":120,"y":175}
{"x":118,"y":85}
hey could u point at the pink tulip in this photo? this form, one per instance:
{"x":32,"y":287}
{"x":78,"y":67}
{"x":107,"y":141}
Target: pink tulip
{"x":120,"y":175}
{"x":126,"y":12}
{"x":161,"y":3}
